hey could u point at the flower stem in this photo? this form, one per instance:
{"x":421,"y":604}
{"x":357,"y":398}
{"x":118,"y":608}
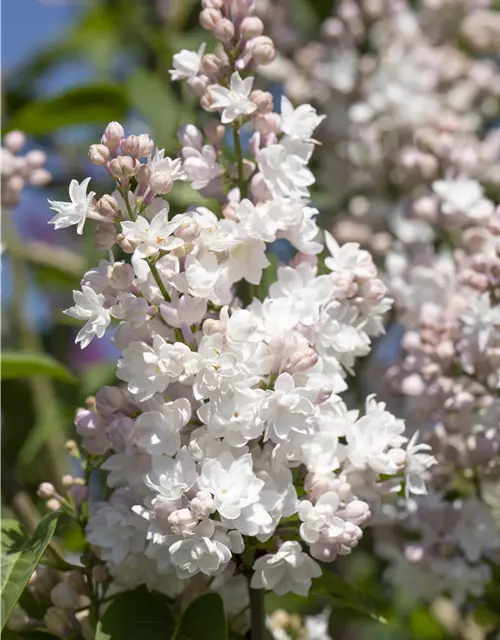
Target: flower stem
{"x":257,"y":613}
{"x":242,"y":183}
{"x":159,"y":281}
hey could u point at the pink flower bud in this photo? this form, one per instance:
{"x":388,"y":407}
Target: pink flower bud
{"x":251,"y":27}
{"x":131,"y":146}
{"x":121,"y":432}
{"x":67,"y":480}
{"x":128,"y":245}
{"x":161,"y":182}
{"x":35,"y":159}
{"x":214,"y":131}
{"x":259,"y":188}
{"x":124,"y":167}
{"x":202,"y":505}
{"x":209,"y":18}
{"x":99,"y":154}
{"x":120,"y":276}
{"x":163,"y":508}
{"x":108,"y":207}
{"x":229,"y":211}
{"x":104,"y":236}
{"x":113,"y":134}
{"x":190,"y":136}
{"x":197,"y":85}
{"x":212,"y":65}
{"x":182,"y":521}
{"x":92,"y":428}
{"x":211,"y":326}
{"x":263,"y":100}
{"x":267,"y":123}
{"x":262,"y":49}
{"x":53,"y":504}
{"x":143,"y":175}
{"x":302,"y":360}
{"x":39,"y":177}
{"x":111,"y":400}
{"x":223,"y":30}
{"x":14,"y":141}
{"x":46,"y":490}
{"x":356,"y":511}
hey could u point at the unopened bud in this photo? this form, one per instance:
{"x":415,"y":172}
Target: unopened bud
{"x":182,"y":521}
{"x":108,"y":207}
{"x":99,"y":154}
{"x":229,"y":211}
{"x":46,"y":490}
{"x":223,"y":30}
{"x":79,"y":494}
{"x":161,"y":182}
{"x":211,"y":326}
{"x":53,"y":504}
{"x":18,"y":620}
{"x":214,"y":131}
{"x":302,"y":360}
{"x":144,"y":174}
{"x":197,"y":85}
{"x":104,"y":236}
{"x":202,"y":505}
{"x":209,"y":18}
{"x":263,"y":100}
{"x":267,"y":123}
{"x":211,"y":65}
{"x":58,"y":622}
{"x":14,"y":141}
{"x":262,"y":49}
{"x":67,"y":480}
{"x":71,"y":447}
{"x":190,"y":136}
{"x":124,"y":167}
{"x":120,"y":275}
{"x":100,"y":573}
{"x":35,"y":159}
{"x":130,"y":146}
{"x":128,"y":245}
{"x":113,"y":135}
{"x":39,"y":177}
{"x":251,"y":27}
{"x":64,"y":596}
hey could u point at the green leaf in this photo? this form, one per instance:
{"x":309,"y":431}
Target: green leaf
{"x":17,"y":364}
{"x":342,"y":594}
{"x":156,"y":103}
{"x":98,"y":103}
{"x":97,"y":376}
{"x":137,"y":615}
{"x":20,"y":557}
{"x":203,"y":615}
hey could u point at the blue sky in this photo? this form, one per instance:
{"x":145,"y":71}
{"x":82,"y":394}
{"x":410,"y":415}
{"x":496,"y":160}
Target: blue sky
{"x":27,"y":25}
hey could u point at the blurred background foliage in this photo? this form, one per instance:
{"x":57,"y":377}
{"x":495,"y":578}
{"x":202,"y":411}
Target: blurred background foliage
{"x":71,"y":70}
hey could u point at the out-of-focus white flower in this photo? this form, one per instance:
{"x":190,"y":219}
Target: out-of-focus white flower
{"x":76,"y":211}
{"x":187,"y":63}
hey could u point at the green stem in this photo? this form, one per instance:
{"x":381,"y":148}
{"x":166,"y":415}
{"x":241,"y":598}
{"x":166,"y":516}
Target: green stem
{"x":159,"y":281}
{"x":242,"y":182}
{"x":257,"y":613}
{"x":124,"y":194}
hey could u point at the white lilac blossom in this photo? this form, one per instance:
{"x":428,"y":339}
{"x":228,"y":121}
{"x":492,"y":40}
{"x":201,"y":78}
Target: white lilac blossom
{"x":234,"y":101}
{"x":226,"y":393}
{"x":75,"y":211}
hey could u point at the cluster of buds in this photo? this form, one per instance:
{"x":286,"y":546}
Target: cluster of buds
{"x":20,"y":170}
